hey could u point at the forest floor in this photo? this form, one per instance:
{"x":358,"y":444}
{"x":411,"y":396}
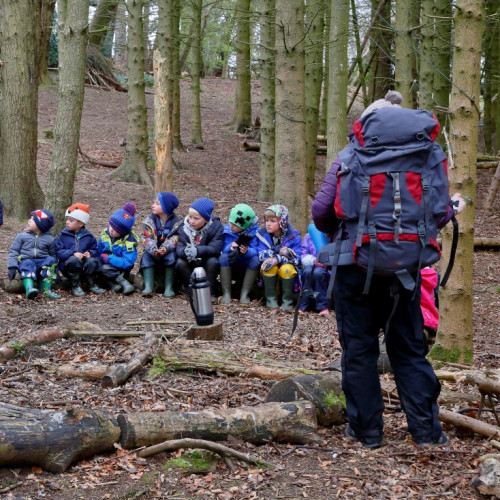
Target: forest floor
{"x":339,"y":468}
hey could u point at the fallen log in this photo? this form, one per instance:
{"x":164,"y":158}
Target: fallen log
{"x":119,"y":374}
{"x":471,"y":424}
{"x":324,"y":391}
{"x":283,"y":422}
{"x":230,"y":363}
{"x":11,"y":348}
{"x":53,"y":440}
{"x":86,"y":371}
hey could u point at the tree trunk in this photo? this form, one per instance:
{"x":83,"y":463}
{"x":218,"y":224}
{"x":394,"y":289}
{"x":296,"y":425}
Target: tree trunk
{"x":196,"y":135}
{"x":282,"y":422}
{"x":337,"y":82}
{"x":103,"y":16}
{"x":19,"y":189}
{"x":120,"y":57}
{"x":322,"y":125}
{"x":454,"y":340}
{"x":492,"y":191}
{"x":54,"y":440}
{"x":175,"y":78}
{"x":120,"y":373}
{"x":134,"y":165}
{"x":243,"y":102}
{"x":73,"y":36}
{"x":315,"y":19}
{"x":359,"y":56}
{"x":290,"y":167}
{"x":87,"y":371}
{"x":44,"y":30}
{"x":442,"y":62}
{"x":164,"y":171}
{"x":267,"y":100}
{"x":427,"y":68}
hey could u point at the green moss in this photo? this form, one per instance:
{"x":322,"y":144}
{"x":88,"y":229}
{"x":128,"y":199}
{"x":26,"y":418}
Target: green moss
{"x":331,"y":399}
{"x":261,"y":356}
{"x":193,"y":462}
{"x":159,"y":367}
{"x":453,"y":355}
{"x":48,"y":134}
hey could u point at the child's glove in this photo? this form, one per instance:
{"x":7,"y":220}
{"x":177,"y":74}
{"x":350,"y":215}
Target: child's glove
{"x":269,"y":263}
{"x":232,"y":256}
{"x":12,"y":272}
{"x":458,"y":203}
{"x":105,"y":257}
{"x":288,"y":253}
{"x":190,"y":252}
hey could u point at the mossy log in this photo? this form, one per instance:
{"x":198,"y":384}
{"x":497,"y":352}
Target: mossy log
{"x":12,"y":347}
{"x":53,"y":440}
{"x":324,"y":391}
{"x":284,"y":422}
{"x":230,"y":363}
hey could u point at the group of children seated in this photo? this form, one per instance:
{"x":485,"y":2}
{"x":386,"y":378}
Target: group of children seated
{"x":241,"y":252}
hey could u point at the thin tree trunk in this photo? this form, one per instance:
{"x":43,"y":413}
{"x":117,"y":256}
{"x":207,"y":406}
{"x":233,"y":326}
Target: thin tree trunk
{"x":134,"y":164}
{"x":267,"y":100}
{"x":337,"y":84}
{"x":403,"y":52}
{"x":243,"y":103}
{"x":44,"y":31}
{"x":196,"y":134}
{"x":454,"y":341}
{"x":73,"y":37}
{"x":315,"y":12}
{"x":164,"y":180}
{"x":120,"y":51}
{"x":322,"y":125}
{"x":175,"y":78}
{"x":426,"y":74}
{"x":20,"y":191}
{"x":359,"y":55}
{"x":290,"y":181}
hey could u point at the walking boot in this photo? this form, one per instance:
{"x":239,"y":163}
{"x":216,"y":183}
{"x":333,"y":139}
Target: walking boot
{"x":45,"y":289}
{"x":114,"y":286}
{"x":247,"y":285}
{"x":127,"y":288}
{"x":148,"y":273}
{"x":29,"y":286}
{"x":270,"y":291}
{"x":169,"y":282}
{"x":76,"y":286}
{"x":93,"y":286}
{"x":287,"y":294}
{"x":225,"y":282}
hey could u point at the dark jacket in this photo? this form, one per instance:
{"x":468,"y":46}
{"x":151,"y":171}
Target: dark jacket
{"x":208,"y":240}
{"x":1,"y":214}
{"x":68,"y":242}
{"x":28,"y":245}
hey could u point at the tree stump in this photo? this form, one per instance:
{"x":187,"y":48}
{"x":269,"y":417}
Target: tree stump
{"x":324,"y":391}
{"x":210,"y":332}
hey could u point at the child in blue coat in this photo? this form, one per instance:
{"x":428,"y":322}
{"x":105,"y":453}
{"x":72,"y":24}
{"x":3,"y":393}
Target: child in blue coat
{"x":159,"y":235}
{"x":240,"y":257}
{"x":76,"y":251}
{"x":279,"y":253}
{"x":32,"y":253}
{"x":118,"y":248}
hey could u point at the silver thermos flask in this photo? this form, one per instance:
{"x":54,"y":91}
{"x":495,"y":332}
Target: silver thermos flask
{"x":200,"y":298}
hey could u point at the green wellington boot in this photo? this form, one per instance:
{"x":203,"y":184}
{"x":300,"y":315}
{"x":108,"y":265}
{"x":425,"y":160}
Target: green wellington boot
{"x":287,"y":294}
{"x":270,"y":291}
{"x":45,"y":289}
{"x":127,"y":288}
{"x":29,"y":286}
{"x":225,"y":282}
{"x":247,"y":285}
{"x":148,"y":273}
{"x":169,"y":291}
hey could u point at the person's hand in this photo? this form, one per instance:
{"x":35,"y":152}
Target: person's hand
{"x":86,"y":255}
{"x":269,"y":263}
{"x":234,"y":245}
{"x":243,"y":249}
{"x":459,"y":204}
{"x":12,"y":272}
{"x":161,"y":252}
{"x":190,"y":252}
{"x":79,"y":255}
{"x":105,"y":257}
{"x":288,"y":253}
{"x":232,"y":256}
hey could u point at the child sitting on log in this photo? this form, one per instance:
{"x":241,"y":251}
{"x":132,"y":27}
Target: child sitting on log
{"x":159,"y":235}
{"x":118,"y":249}
{"x":76,"y":251}
{"x":32,"y":253}
{"x":279,"y":252}
{"x":200,"y":243}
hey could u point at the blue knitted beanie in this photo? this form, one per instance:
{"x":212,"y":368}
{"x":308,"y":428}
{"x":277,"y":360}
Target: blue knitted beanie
{"x":123,"y":220}
{"x":204,"y":206}
{"x":168,"y":202}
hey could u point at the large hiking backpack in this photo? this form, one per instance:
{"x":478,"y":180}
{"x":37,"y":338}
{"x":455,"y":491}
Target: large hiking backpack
{"x":392,"y":188}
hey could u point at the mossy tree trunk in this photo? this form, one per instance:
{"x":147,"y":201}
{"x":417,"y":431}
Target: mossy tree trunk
{"x":196,"y":135}
{"x":242,"y":119}
{"x":73,"y":37}
{"x":44,"y":29}
{"x":442,"y":62}
{"x":337,"y":82}
{"x":175,"y":79}
{"x":315,"y":20}
{"x":134,"y":164}
{"x":326,"y":55}
{"x":455,"y":334}
{"x":20,"y":191}
{"x":290,"y":183}
{"x":267,"y":99}
{"x":103,"y":16}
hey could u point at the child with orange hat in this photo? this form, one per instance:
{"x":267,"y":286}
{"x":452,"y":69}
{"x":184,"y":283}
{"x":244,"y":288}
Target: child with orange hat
{"x":76,"y":251}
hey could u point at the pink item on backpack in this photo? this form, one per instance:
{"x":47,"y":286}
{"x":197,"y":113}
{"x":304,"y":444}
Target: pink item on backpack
{"x":428,"y":300}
